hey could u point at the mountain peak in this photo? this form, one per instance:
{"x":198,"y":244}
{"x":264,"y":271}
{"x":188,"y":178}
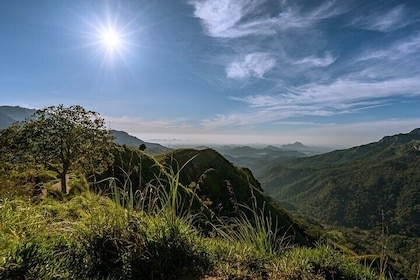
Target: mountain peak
{"x":401,"y":138}
{"x":415,"y":131}
{"x":123,"y":138}
{"x":294,"y":146}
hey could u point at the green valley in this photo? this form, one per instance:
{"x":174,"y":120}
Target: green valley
{"x":360,"y":189}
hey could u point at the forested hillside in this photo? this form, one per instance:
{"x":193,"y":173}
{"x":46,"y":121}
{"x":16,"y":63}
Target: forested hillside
{"x":353,"y":187}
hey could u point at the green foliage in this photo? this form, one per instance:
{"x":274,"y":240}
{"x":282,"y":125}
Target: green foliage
{"x":352,"y":187}
{"x":225,"y":187}
{"x":257,"y":233}
{"x":91,"y":237}
{"x":324,"y":262}
{"x":60,"y":139}
{"x":130,"y":168}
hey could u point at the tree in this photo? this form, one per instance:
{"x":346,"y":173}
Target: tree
{"x":9,"y":147}
{"x":142,"y":147}
{"x":63,"y":139}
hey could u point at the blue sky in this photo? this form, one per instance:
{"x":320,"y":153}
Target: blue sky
{"x":330,"y":73}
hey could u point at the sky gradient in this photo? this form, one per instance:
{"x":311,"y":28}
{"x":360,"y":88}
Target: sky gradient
{"x":327,"y":73}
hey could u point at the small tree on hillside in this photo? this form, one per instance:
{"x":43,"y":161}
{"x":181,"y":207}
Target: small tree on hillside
{"x":63,"y":139}
{"x":10,"y":147}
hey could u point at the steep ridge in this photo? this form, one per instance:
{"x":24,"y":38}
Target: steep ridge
{"x":210,"y":183}
{"x":225,"y":188}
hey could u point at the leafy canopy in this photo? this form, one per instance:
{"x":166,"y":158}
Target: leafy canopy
{"x":62,"y":139}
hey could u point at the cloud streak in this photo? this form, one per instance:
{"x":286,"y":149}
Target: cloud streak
{"x":327,"y":60}
{"x":398,"y":50}
{"x":394,"y":19}
{"x":340,"y":97}
{"x":235,"y":19}
{"x":222,"y":18}
{"x":251,"y":65}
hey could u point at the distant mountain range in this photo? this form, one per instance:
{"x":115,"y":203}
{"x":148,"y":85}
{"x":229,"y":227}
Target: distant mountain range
{"x":12,"y":114}
{"x":123,"y":138}
{"x":256,"y":158}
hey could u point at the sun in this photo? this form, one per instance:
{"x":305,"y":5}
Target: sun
{"x":111,"y":40}
{"x":110,"y":36}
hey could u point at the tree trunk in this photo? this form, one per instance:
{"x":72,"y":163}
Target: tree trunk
{"x":63,"y":182}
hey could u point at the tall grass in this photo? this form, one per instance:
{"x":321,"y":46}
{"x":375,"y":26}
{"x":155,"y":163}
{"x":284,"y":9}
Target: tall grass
{"x":151,"y":234}
{"x":383,"y":256}
{"x":256,"y":232}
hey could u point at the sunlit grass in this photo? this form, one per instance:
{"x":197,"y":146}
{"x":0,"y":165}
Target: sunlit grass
{"x":151,"y":234}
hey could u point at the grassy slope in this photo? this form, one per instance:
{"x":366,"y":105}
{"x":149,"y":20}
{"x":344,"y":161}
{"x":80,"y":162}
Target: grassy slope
{"x":228,"y":189}
{"x":91,"y":236}
{"x":86,"y":235}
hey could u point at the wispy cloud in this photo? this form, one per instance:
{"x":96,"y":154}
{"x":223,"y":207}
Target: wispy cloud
{"x":357,"y":133}
{"x":340,"y":97}
{"x":394,"y":19}
{"x":344,"y":91}
{"x":312,"y":60}
{"x":222,"y":18}
{"x":397,"y":60}
{"x":251,"y":65}
{"x":400,"y":49}
{"x":234,"y":19}
{"x":262,"y":34}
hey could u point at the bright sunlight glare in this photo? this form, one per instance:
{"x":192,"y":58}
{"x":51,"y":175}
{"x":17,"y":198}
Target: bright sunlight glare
{"x":112,"y":40}
{"x":111,"y":36}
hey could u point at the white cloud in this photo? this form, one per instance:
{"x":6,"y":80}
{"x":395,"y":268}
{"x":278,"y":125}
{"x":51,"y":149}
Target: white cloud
{"x":396,"y":18}
{"x":342,"y":96}
{"x":396,"y":51}
{"x":251,"y":65}
{"x":234,"y":19}
{"x":395,"y":61}
{"x":221,"y":18}
{"x":336,"y":95}
{"x":263,"y":34}
{"x":343,"y":91}
{"x":325,"y":61}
